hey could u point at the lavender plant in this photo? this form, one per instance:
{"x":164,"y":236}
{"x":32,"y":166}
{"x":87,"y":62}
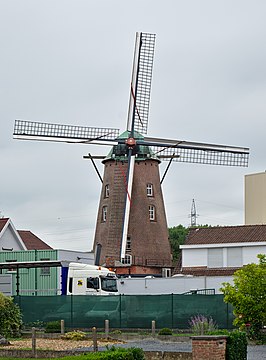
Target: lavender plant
{"x":200,"y":324}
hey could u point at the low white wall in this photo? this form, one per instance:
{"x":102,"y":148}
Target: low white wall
{"x":173,"y":285}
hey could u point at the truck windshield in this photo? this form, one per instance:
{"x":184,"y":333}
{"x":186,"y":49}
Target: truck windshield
{"x":109,"y":284}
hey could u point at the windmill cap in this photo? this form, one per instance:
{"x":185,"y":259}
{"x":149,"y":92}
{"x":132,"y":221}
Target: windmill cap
{"x":119,"y":152}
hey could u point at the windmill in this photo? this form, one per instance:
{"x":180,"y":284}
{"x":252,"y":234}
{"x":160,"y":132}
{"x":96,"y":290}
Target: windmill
{"x":131,"y":228}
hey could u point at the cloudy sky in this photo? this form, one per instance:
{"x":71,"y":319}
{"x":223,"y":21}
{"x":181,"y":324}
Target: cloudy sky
{"x":70,"y":62}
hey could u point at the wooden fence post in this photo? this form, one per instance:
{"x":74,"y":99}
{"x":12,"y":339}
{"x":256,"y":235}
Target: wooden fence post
{"x":94,"y":339}
{"x":62,"y":327}
{"x":106,"y":326}
{"x":33,"y":342}
{"x":153,"y":328}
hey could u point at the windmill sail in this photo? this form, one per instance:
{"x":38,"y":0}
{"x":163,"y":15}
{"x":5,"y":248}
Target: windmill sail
{"x":31,"y":130}
{"x":198,"y":153}
{"x":141,"y":83}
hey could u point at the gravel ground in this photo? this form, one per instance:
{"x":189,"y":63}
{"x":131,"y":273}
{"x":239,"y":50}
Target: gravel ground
{"x":55,"y":344}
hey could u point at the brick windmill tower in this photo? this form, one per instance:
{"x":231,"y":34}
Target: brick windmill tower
{"x":131,"y":232}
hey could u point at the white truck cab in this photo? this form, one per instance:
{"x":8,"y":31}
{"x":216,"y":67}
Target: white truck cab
{"x":85,"y":279}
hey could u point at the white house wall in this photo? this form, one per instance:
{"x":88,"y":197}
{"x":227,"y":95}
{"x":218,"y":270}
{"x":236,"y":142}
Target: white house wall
{"x":10,"y":241}
{"x":194,"y":257}
{"x":250,"y":254}
{"x":197,"y":257}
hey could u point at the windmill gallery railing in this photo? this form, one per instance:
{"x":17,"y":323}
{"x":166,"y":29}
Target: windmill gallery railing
{"x":139,"y":261}
{"x":143,"y":261}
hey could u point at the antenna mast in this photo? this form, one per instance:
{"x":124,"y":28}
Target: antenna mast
{"x":193,"y":214}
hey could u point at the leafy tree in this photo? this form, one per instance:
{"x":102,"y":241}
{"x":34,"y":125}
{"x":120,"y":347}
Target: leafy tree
{"x":248,"y":296}
{"x":177,"y":236}
{"x":10,"y":317}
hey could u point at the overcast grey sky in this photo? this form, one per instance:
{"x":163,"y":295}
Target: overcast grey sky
{"x":70,"y":62}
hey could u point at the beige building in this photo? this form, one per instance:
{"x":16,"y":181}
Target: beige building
{"x":255,"y":199}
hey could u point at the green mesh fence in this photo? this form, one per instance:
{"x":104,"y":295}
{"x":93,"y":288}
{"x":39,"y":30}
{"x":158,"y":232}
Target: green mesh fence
{"x":125,"y":311}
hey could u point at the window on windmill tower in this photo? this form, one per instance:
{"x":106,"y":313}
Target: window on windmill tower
{"x":128,"y":244}
{"x":106,"y":191}
{"x":104,"y":213}
{"x":149,"y":190}
{"x":152,"y":212}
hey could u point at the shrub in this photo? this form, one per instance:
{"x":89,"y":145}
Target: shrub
{"x":116,"y":332}
{"x":165,"y":331}
{"x":38,"y":324}
{"x":247,"y":295}
{"x":53,"y":326}
{"x":138,"y":354}
{"x":74,"y":335}
{"x":200,"y":324}
{"x":10,"y":317}
{"x":236,"y":346}
{"x":114,"y":353}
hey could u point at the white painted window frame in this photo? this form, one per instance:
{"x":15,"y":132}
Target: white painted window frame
{"x":104,"y":213}
{"x":149,"y":189}
{"x":152,"y":212}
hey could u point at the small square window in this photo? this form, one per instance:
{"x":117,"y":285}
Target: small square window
{"x":149,"y":190}
{"x":45,"y":270}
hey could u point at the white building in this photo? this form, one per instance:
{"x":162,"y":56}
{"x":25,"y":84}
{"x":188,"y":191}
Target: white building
{"x":217,"y":251}
{"x":23,"y":248}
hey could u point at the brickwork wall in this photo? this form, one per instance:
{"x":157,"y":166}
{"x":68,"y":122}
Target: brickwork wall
{"x":149,"y":239}
{"x":208,"y":347}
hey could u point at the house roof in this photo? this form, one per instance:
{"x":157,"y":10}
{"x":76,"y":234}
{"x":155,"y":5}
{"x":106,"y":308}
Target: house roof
{"x":32,"y":242}
{"x":3,"y":222}
{"x":226,"y":234}
{"x":204,"y":271}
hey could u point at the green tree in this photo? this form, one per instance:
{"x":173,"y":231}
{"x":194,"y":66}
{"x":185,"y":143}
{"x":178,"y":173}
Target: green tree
{"x":10,"y":317}
{"x":248,"y":296}
{"x":177,"y":236}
